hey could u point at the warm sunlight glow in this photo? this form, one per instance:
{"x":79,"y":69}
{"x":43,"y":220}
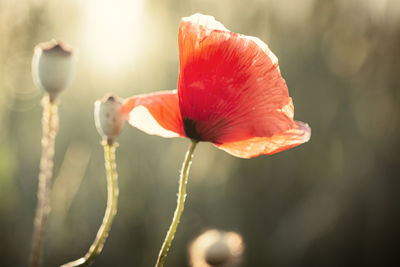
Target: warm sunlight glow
{"x":112,"y":32}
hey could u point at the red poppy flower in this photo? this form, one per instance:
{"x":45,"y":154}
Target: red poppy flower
{"x":230,"y":93}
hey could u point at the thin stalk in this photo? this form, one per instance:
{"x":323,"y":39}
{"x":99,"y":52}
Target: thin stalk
{"x":111,"y":210}
{"x":180,"y":204}
{"x":49,"y":132}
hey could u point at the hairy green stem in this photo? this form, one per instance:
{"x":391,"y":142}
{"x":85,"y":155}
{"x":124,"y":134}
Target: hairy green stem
{"x":112,"y":201}
{"x":180,"y":204}
{"x":49,"y":132}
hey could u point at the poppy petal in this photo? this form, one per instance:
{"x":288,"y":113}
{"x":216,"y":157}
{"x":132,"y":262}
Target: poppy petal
{"x":257,"y":146}
{"x":156,"y":114}
{"x":230,"y":86}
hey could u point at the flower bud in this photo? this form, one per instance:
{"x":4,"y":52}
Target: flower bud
{"x":53,"y":67}
{"x":216,"y":248}
{"x":108,"y":117}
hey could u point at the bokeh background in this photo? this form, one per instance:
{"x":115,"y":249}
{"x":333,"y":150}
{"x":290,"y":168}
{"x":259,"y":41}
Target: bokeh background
{"x":331,"y":202}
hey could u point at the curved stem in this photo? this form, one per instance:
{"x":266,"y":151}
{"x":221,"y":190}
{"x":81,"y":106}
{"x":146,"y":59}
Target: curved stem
{"x":112,"y":201}
{"x":49,"y":132}
{"x":180,"y":204}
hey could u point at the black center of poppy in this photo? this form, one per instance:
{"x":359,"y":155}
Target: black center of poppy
{"x":189,"y":125}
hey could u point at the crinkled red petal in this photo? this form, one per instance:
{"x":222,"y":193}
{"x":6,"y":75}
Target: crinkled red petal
{"x":230,"y":87}
{"x":157,"y":113}
{"x":257,"y":146}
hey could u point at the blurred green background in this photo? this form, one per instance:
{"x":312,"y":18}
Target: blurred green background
{"x":330,"y":202}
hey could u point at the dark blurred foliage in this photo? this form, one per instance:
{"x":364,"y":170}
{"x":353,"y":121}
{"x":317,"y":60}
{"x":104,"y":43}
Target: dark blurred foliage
{"x":330,"y":202}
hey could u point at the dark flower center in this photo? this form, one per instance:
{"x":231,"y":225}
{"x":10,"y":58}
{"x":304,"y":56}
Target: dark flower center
{"x":189,"y":125}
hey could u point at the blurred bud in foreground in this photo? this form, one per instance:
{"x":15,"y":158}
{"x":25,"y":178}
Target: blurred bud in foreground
{"x":216,"y":248}
{"x":108,"y":117}
{"x":53,"y":67}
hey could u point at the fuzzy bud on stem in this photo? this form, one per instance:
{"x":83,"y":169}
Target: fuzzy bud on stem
{"x":216,"y":248}
{"x":109,"y":118}
{"x":53,"y":67}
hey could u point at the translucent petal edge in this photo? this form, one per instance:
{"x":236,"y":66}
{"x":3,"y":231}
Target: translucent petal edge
{"x":256,"y":146}
{"x":139,"y":114}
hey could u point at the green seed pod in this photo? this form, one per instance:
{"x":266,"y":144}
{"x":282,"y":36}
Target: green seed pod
{"x":53,"y":67}
{"x":108,"y":117}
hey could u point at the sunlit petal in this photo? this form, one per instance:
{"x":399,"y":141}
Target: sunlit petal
{"x":256,"y":146}
{"x":230,"y":87}
{"x":156,"y":113}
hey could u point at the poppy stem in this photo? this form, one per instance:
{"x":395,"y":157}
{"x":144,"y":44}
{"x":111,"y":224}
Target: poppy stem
{"x":49,"y":132}
{"x":180,"y":204}
{"x":111,"y":210}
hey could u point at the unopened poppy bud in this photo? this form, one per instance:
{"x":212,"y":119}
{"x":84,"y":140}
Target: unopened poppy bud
{"x":216,"y":248}
{"x":53,"y":67}
{"x":108,"y":117}
{"x":217,"y":253}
